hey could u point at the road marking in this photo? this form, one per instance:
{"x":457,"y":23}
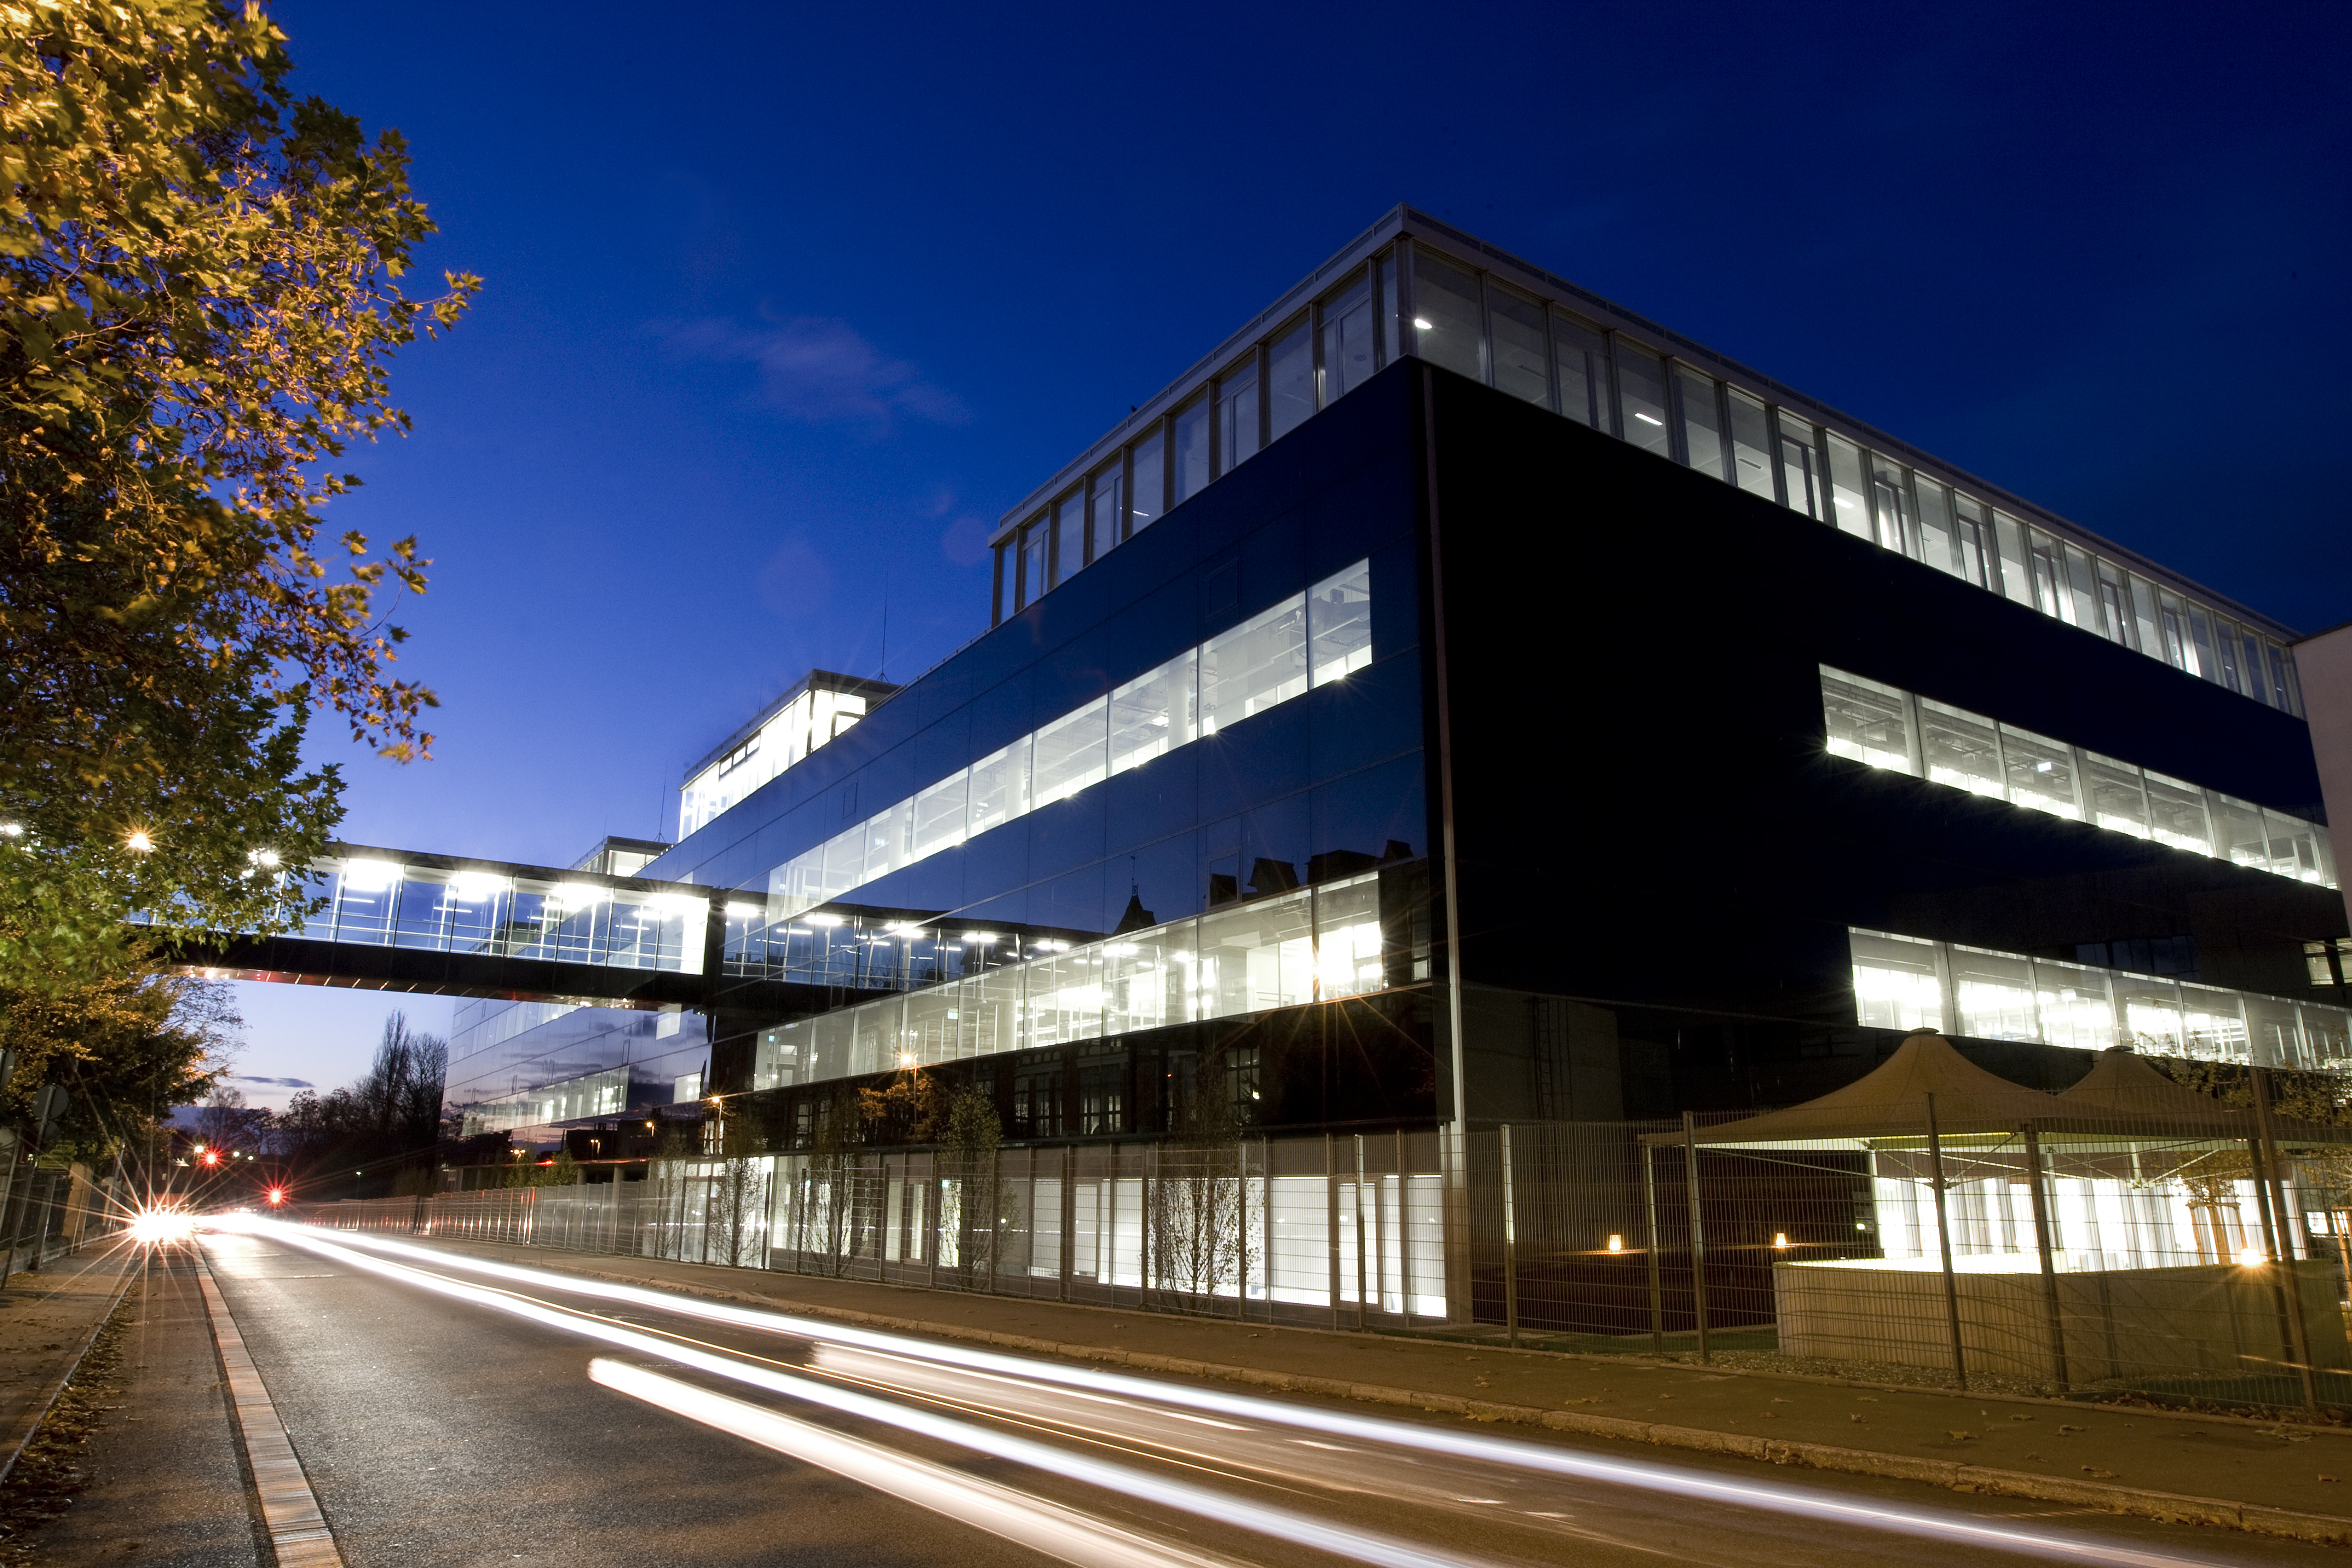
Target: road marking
{"x":298,"y":1530}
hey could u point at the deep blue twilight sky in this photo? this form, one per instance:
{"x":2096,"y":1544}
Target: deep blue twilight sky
{"x":786,"y":304}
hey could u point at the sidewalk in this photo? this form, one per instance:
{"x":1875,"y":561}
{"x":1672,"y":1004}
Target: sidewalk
{"x":2284,"y":1479}
{"x":46,"y":1320}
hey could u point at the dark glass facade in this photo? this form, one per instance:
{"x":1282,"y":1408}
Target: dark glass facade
{"x":1555,"y":723}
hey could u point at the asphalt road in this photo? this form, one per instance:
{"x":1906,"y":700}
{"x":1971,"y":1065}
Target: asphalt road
{"x":449,"y":1415}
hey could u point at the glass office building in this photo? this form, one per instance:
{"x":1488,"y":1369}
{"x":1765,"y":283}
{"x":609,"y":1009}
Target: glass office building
{"x":1456,"y":699}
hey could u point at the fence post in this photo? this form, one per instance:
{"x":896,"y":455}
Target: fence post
{"x":1404,"y":1230}
{"x":1332,"y":1221}
{"x":1266,"y":1216}
{"x":995,"y":1215}
{"x":1698,"y":1234}
{"x":1069,"y":1216}
{"x":2290,"y":1298}
{"x":1944,"y":1238}
{"x":1363,"y":1307}
{"x":1510,"y":1246}
{"x":1241,"y":1230}
{"x":2039,"y":1203}
{"x":1657,"y":1284}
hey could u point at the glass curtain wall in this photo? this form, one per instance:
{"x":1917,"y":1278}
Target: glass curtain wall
{"x":1308,"y":640}
{"x":1317,"y":944}
{"x":1472,"y":322}
{"x":1887,"y":727}
{"x":568,"y":917}
{"x":1906,"y":982}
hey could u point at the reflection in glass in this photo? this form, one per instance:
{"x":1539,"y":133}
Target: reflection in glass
{"x":1867,"y":722}
{"x":1348,"y":938}
{"x":2082,"y":590}
{"x":2088,"y":1009}
{"x":1072,"y":752}
{"x":1237,"y":416}
{"x":1149,"y":978}
{"x":1107,"y":512}
{"x":1257,"y":956}
{"x":2147,"y":636}
{"x":2211,"y":1023}
{"x":1290,"y":381}
{"x":1702,"y":429}
{"x":1000,"y":787}
{"x":1642,"y":398}
{"x":1189,"y":466}
{"x":2041,"y":772}
{"x":1339,"y":623}
{"x":2149,"y":1012}
{"x":1895,"y":983}
{"x":1890,"y":498}
{"x":941,"y":814}
{"x":1799,"y":471}
{"x":1583,"y":371}
{"x":1751,"y":451}
{"x":1995,"y":995}
{"x":1149,"y":482}
{"x":1066,"y":996}
{"x":1973,"y":540}
{"x":2273,"y":1035}
{"x":1850,"y":507}
{"x":1446,"y":315}
{"x":2238,"y":832}
{"x":1349,"y":357}
{"x":1155,"y":711}
{"x":2075,"y":1005}
{"x":2119,"y":799}
{"x":1934,"y":525}
{"x":2177,"y":814}
{"x":2201,"y":636}
{"x":419,"y":920}
{"x":1961,"y":750}
{"x":1035,"y":544}
{"x":1259,"y":664}
{"x":2016,"y":581}
{"x":2300,"y":850}
{"x":1068,"y":554}
{"x":1522,"y":365}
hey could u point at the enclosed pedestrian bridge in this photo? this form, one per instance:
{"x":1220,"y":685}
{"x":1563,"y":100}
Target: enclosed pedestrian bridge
{"x":399,"y":920}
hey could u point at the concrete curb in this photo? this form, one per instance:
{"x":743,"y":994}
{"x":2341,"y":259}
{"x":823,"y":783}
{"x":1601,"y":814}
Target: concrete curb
{"x":29,"y":1425}
{"x":2169,"y":1508}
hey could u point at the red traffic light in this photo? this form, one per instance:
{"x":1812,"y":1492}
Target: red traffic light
{"x":212,"y":1156}
{"x":278,"y":1195}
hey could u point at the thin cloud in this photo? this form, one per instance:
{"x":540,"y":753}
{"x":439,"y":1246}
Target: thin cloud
{"x":280,"y":1082}
{"x":965,"y":542}
{"x":817,"y":368}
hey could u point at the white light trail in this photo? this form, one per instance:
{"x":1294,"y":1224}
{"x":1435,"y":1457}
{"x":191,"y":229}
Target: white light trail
{"x":1541,"y":1458}
{"x":1183,"y":1496}
{"x":1046,"y":1527}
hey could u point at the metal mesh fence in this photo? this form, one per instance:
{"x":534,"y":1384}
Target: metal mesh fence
{"x":1342,"y":1231}
{"x":2140,"y":1241}
{"x":2128,"y":1238}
